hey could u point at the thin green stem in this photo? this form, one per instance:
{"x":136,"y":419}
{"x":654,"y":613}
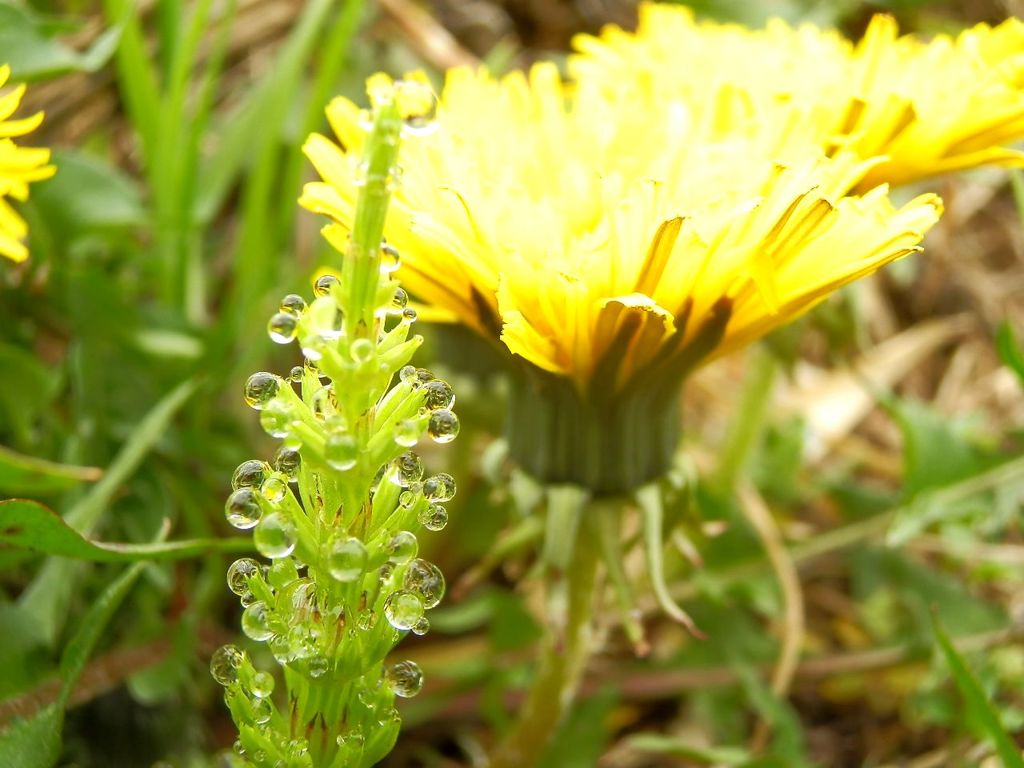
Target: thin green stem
{"x":564,"y":654}
{"x":745,"y":429}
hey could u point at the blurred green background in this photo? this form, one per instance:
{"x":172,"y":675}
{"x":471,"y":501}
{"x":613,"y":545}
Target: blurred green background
{"x":170,"y":233}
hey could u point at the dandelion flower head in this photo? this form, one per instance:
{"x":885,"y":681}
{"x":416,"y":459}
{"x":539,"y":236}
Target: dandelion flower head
{"x":19,"y":167}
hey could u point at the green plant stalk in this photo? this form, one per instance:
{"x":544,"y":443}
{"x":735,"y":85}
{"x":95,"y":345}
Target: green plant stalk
{"x":746,"y":428}
{"x":564,"y":653}
{"x":345,"y":583}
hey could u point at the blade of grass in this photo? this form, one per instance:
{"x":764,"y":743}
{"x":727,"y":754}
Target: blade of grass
{"x":46,"y":599}
{"x":136,"y":78}
{"x":977,"y":703}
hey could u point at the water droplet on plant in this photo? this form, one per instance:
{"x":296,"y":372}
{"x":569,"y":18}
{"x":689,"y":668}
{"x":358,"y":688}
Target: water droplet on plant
{"x":318,"y":666}
{"x":361,"y":350}
{"x":407,"y":433}
{"x":398,"y":302}
{"x":247,"y":598}
{"x":403,"y":609}
{"x":243,"y":509}
{"x":406,"y":499}
{"x":249,"y":474}
{"x":341,"y":451}
{"x":390,"y":260}
{"x":346,"y":559}
{"x":322,"y":403}
{"x":438,"y":395}
{"x":402,"y":548}
{"x":443,"y":426}
{"x":352,"y":739}
{"x":417,"y":105}
{"x":408,"y":374}
{"x":239,"y":573}
{"x":275,"y":536}
{"x":407,"y":469}
{"x":282,"y":327}
{"x":295,"y":374}
{"x":261,"y":388}
{"x":256,"y":621}
{"x":421,"y":627}
{"x":366,"y":620}
{"x":293,"y":303}
{"x":324,"y":285}
{"x":389,"y":718}
{"x":281,"y":648}
{"x":262,"y":710}
{"x":282,"y":573}
{"x":409,"y":316}
{"x":287,"y":461}
{"x":262,"y":685}
{"x":440,"y":487}
{"x":225,"y":662}
{"x":405,"y":678}
{"x":276,"y":418}
{"x":425,"y":580}
{"x":275,"y":487}
{"x":433,"y":517}
{"x":423,"y":376}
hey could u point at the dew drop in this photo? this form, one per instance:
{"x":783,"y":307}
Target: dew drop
{"x":390,"y":260}
{"x":407,"y":433}
{"x":424,"y":579}
{"x":282,"y":327}
{"x":421,"y":627}
{"x":275,"y":536}
{"x":324,"y":285}
{"x":434,"y":517}
{"x":347,"y":559}
{"x":407,"y":469}
{"x":276,"y":418}
{"x":398,"y":302}
{"x":249,"y":474}
{"x":295,"y":375}
{"x":275,"y":487}
{"x":361,"y":350}
{"x":438,"y":395}
{"x":260,"y":389}
{"x":440,"y":487}
{"x":262,"y":710}
{"x":406,"y":499}
{"x":225,"y":662}
{"x":408,"y":374}
{"x":262,"y":685}
{"x":405,"y":678}
{"x":287,"y":461}
{"x":403,"y":609}
{"x":242,"y":509}
{"x":293,"y":303}
{"x":239,"y":573}
{"x":402,"y":548}
{"x":341,"y":451}
{"x":318,"y":666}
{"x":256,"y":622}
{"x":443,"y":426}
{"x":408,"y":316}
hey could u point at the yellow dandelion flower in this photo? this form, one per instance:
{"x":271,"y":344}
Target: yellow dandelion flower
{"x":19,"y":167}
{"x":927,"y":106}
{"x":614,"y":249}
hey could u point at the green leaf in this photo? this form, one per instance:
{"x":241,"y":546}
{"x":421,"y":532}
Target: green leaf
{"x":582,"y":738}
{"x":26,"y":525}
{"x":660,"y":744}
{"x":28,"y":387}
{"x":88,"y":195}
{"x":978,"y":706}
{"x":20,"y":474}
{"x":35,"y":742}
{"x":46,"y":599}
{"x":1010,"y":350}
{"x":29,"y":45}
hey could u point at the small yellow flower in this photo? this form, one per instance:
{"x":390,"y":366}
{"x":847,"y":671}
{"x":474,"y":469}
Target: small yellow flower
{"x":927,"y":107}
{"x":19,"y":167}
{"x":607,"y":245}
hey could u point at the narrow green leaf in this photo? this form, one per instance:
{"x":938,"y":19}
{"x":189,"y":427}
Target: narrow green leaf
{"x":26,"y":525}
{"x":976,"y":702}
{"x":21,"y":474}
{"x":658,"y":743}
{"x":46,"y":599}
{"x":1010,"y":350}
{"x":36,"y":742}
{"x":28,"y":42}
{"x":33,"y":742}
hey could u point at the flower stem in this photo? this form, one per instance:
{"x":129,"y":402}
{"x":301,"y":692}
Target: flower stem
{"x":566,"y":648}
